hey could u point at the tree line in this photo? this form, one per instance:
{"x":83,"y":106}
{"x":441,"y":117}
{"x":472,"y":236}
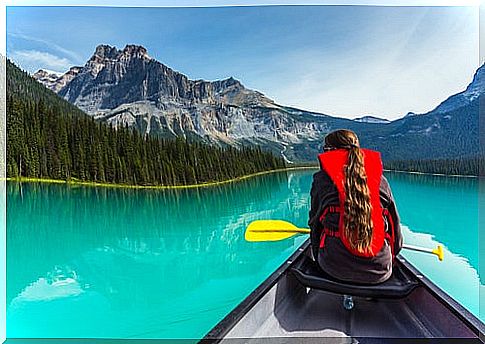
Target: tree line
{"x":459,"y":166}
{"x":47,"y":137}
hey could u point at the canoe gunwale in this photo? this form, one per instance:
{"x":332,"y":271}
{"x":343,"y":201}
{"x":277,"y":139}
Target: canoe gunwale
{"x":218,"y":332}
{"x":477,"y":326}
{"x":221,"y":329}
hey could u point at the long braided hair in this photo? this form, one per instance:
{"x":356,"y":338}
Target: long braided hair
{"x":357,"y":206}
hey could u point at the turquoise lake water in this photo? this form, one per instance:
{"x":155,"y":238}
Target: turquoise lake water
{"x":125,"y":263}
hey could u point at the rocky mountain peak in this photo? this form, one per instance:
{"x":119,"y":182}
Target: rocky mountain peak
{"x":135,"y":51}
{"x":232,"y":81}
{"x":42,"y":73}
{"x":411,"y":114}
{"x":478,"y":84}
{"x":113,"y":77}
{"x":229,"y":83}
{"x":48,"y":78}
{"x":104,"y":51}
{"x":371,"y":119}
{"x":54,"y":80}
{"x":107,"y":52}
{"x":128,"y":88}
{"x":474,"y":90}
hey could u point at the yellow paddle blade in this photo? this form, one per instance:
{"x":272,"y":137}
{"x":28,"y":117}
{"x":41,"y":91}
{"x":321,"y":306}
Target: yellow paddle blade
{"x":272,"y":230}
{"x":439,"y":252}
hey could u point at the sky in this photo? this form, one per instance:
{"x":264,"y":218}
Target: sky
{"x":346,"y":61}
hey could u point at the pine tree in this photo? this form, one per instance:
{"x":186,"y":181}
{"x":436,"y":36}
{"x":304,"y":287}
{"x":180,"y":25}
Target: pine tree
{"x":49,"y":138}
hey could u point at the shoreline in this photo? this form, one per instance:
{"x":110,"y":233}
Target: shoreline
{"x":161,"y":187}
{"x":201,"y":185}
{"x":433,"y":174}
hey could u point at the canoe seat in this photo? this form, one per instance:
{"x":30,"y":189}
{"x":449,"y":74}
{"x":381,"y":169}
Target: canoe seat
{"x":399,"y":285}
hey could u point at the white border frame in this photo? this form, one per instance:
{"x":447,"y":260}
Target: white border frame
{"x":3,"y":183}
{"x":182,"y":3}
{"x":219,"y":3}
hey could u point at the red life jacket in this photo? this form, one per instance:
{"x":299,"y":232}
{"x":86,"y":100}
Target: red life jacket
{"x":333,"y":163}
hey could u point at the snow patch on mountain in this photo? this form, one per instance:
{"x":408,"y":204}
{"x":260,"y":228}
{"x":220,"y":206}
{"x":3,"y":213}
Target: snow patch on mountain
{"x":475,"y":89}
{"x":127,"y":87}
{"x":371,"y":119}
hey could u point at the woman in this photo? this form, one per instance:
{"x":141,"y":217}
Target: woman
{"x":355,"y":232}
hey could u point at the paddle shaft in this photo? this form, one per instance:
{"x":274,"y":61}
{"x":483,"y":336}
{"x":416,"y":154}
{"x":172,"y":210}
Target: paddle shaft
{"x":418,"y":248}
{"x":263,"y":229}
{"x":295,"y":231}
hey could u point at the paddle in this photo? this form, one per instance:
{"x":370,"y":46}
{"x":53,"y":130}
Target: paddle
{"x":274,"y":230}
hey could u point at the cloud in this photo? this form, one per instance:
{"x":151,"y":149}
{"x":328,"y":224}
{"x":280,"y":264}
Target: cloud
{"x":73,"y":55}
{"x":34,"y":59}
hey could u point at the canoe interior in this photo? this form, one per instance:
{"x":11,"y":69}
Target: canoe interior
{"x":287,"y":309}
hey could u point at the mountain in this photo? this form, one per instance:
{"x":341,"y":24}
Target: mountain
{"x":411,"y":114}
{"x":371,"y":119}
{"x":450,"y":131}
{"x":431,"y":136}
{"x":475,"y":89}
{"x":129,"y":88}
{"x":48,"y":78}
{"x":55,"y":81}
{"x":48,"y":137}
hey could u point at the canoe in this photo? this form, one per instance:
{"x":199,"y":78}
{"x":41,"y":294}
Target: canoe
{"x":299,"y":304}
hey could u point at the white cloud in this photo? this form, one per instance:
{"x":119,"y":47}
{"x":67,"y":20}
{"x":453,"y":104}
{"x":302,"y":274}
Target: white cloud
{"x":34,"y":59}
{"x":73,"y":55}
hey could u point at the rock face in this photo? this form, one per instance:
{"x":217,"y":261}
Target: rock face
{"x":49,"y":79}
{"x":56,"y":81}
{"x":129,"y":88}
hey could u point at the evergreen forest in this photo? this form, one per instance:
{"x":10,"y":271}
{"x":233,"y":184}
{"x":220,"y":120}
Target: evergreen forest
{"x":47,"y":137}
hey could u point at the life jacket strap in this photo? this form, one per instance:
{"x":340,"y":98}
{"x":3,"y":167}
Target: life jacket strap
{"x":389,"y":236}
{"x":329,"y":209}
{"x":328,"y":232}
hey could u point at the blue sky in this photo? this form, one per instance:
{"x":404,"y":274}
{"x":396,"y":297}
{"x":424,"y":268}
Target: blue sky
{"x":345,"y":61}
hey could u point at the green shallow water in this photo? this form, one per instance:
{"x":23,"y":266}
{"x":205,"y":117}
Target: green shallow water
{"x":124,"y":263}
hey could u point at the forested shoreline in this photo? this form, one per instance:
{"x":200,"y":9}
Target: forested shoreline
{"x":48,"y":138}
{"x":469,"y":166}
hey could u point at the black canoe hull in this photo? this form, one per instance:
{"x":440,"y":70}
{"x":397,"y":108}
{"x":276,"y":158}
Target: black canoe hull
{"x":281,"y":309}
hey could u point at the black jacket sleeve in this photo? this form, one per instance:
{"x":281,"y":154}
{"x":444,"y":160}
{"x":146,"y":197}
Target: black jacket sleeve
{"x":314,"y":214}
{"x":315,"y":201}
{"x":389,"y":203}
{"x":323,"y":193}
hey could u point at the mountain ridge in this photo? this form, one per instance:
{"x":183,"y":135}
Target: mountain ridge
{"x":50,"y":138}
{"x":129,"y":88}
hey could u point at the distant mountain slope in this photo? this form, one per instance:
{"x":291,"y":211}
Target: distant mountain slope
{"x":474,"y":90}
{"x":48,"y":137}
{"x":371,"y":119}
{"x":128,"y":87}
{"x":435,"y":135}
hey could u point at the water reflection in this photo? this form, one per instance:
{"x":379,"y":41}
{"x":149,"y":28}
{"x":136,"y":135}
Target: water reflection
{"x":140,"y":252}
{"x":465,"y":289}
{"x":445,"y":210}
{"x":119,"y":263}
{"x":446,"y":207}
